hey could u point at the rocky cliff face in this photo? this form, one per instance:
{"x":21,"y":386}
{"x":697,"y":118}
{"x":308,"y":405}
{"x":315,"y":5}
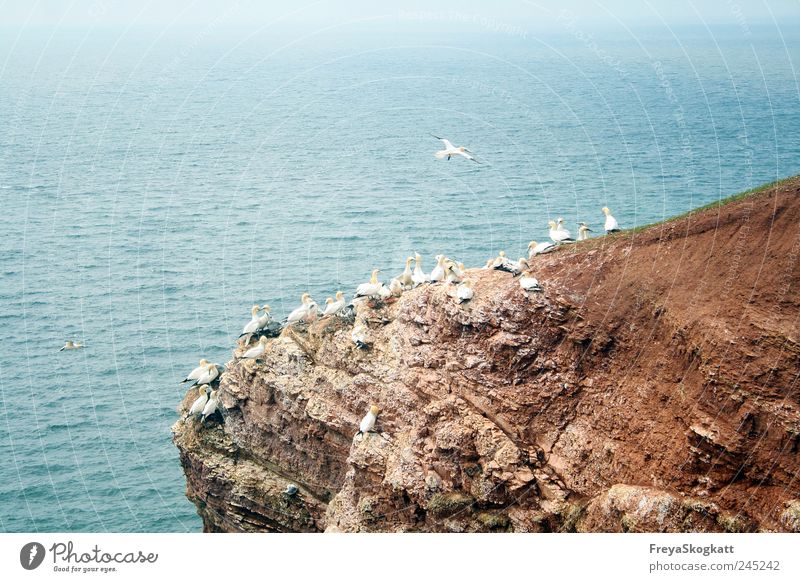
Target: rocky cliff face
{"x":652,"y":386}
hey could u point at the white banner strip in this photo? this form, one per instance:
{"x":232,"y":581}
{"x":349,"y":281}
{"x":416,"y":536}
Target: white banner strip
{"x":356,"y":557}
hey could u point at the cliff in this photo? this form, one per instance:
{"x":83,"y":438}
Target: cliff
{"x":651,"y":386}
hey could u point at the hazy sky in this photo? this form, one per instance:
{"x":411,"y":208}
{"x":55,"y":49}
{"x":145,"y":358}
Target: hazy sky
{"x":533,"y":15}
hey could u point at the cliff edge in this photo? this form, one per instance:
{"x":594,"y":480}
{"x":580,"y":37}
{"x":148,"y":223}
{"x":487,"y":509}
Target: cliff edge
{"x":651,"y":386}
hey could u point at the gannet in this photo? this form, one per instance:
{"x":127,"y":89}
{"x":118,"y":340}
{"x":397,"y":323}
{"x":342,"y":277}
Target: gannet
{"x":200,"y":402}
{"x":311,"y":313}
{"x":395,"y":287}
{"x":454,"y":273}
{"x":583,"y":229}
{"x":299,"y":314}
{"x":360,"y":337}
{"x":438,"y":271}
{"x":514,"y":267}
{"x":264,"y":319}
{"x":611,"y":223}
{"x":529,"y":283}
{"x":368,"y":422}
{"x":71,"y":345}
{"x":252,"y":325}
{"x":465,"y":292}
{"x":500,"y":260}
{"x":256,"y":351}
{"x":419,"y":277}
{"x":334,"y":307}
{"x":208,"y":376}
{"x":405,"y":279}
{"x":212,"y":405}
{"x":371,"y":288}
{"x":535,"y":248}
{"x":558,"y":235}
{"x":450,"y":150}
{"x":197,"y":372}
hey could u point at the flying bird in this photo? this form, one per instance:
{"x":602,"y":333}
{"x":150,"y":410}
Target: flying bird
{"x":450,"y":150}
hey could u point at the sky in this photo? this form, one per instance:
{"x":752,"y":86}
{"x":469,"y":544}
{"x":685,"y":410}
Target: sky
{"x":534,"y":15}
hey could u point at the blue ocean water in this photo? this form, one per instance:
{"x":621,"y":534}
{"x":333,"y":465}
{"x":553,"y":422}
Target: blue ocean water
{"x":156,"y":183}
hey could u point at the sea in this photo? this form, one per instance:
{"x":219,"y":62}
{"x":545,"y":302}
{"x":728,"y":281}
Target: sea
{"x":157,"y":181}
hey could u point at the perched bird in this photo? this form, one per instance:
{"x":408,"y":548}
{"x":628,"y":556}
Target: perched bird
{"x":450,"y":150}
{"x":395,"y":287}
{"x":253,"y":325}
{"x":212,"y":405}
{"x":583,"y":229}
{"x":199,"y":404}
{"x":529,"y":283}
{"x":419,"y":277}
{"x":455,"y":272}
{"x":465,"y":291}
{"x":71,"y":345}
{"x":300,"y":313}
{"x":438,"y":271}
{"x":500,"y":260}
{"x":264,"y":319}
{"x":489,"y":264}
{"x":334,"y":307}
{"x":197,"y":372}
{"x":513,"y":267}
{"x":406,"y":279}
{"x":368,"y":422}
{"x":611,"y":223}
{"x":311,"y":313}
{"x":535,"y":248}
{"x":371,"y":288}
{"x":558,"y":235}
{"x":208,"y":376}
{"x":360,"y":337}
{"x":256,"y":351}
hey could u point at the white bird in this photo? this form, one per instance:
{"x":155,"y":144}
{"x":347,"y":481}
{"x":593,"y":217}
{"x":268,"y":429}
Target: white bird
{"x":300,"y":313}
{"x":514,"y":267}
{"x":419,"y":277}
{"x":395,"y":287}
{"x":558,"y":235}
{"x":253,"y":325}
{"x":200,"y":402}
{"x":212,"y":405}
{"x":368,"y":422}
{"x":611,"y":223}
{"x":197,"y":372}
{"x":500,"y":260}
{"x":450,"y":150}
{"x":535,"y":248}
{"x":264,"y":319}
{"x":529,"y":283}
{"x":208,"y":376}
{"x":583,"y":231}
{"x":371,"y":288}
{"x":438,"y":271}
{"x":71,"y":345}
{"x":455,"y":272}
{"x":256,"y":351}
{"x":465,"y":291}
{"x":406,"y":279}
{"x":311,"y":313}
{"x":360,"y":337}
{"x":333,"y":307}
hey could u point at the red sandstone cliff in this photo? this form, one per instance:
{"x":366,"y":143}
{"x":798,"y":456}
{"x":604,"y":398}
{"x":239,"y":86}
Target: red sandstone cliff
{"x":652,"y":386}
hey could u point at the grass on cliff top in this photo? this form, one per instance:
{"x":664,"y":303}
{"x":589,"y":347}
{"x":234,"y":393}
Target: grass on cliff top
{"x":715,"y":204}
